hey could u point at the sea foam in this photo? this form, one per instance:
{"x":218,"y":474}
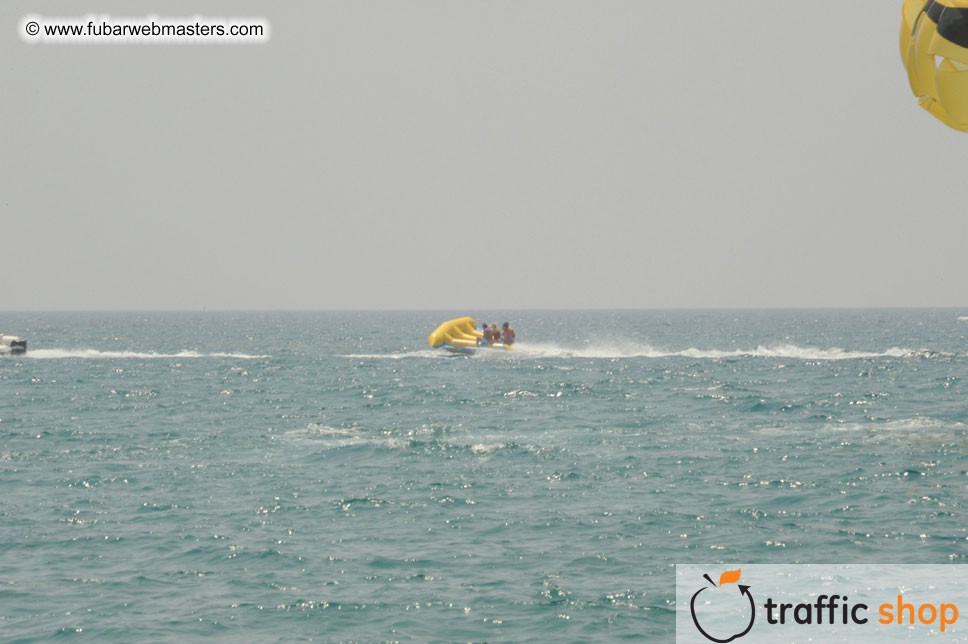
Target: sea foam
{"x":58,"y":354}
{"x":790,"y":351}
{"x":618,"y":350}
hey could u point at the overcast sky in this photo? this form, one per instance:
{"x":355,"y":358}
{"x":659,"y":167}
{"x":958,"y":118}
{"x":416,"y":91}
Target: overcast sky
{"x":479,"y":154}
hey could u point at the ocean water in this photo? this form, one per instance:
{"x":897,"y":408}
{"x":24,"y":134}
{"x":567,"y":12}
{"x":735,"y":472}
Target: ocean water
{"x":326,"y":477}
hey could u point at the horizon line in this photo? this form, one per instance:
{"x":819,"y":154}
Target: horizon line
{"x":488,"y":309}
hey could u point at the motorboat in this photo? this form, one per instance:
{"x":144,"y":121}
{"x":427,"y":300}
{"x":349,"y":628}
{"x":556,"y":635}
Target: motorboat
{"x":12,"y":345}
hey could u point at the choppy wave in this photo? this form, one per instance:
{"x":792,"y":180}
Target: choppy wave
{"x":331,"y":436}
{"x":425,"y":439}
{"x":56,"y":354}
{"x":900,"y":424}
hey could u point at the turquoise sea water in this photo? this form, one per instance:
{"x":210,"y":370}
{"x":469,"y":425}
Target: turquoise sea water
{"x":286,"y":477}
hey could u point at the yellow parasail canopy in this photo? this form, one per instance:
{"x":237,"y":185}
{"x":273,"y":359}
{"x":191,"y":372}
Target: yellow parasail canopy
{"x":934,"y":47}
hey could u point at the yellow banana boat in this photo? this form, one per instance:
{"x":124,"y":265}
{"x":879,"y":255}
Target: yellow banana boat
{"x":461,"y":336}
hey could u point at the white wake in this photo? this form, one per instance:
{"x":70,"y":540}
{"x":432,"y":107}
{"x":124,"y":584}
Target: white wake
{"x":624,"y":350}
{"x":58,"y":354}
{"x":791,"y":351}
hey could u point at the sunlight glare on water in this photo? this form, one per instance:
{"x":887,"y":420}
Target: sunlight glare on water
{"x":329,"y":477}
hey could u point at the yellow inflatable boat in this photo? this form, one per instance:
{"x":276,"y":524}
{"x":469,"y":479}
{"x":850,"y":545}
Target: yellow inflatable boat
{"x":461,"y":336}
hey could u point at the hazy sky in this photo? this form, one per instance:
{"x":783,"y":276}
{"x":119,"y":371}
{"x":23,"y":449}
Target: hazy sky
{"x":479,"y":154}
